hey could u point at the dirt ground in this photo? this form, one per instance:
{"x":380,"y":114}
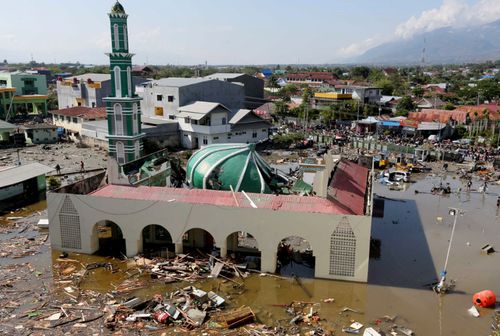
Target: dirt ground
{"x":67,"y":155}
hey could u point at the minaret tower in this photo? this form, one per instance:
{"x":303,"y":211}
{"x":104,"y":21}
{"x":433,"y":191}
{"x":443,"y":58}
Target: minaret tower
{"x":123,"y":105}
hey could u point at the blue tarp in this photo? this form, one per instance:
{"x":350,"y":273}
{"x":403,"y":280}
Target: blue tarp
{"x":390,"y":123}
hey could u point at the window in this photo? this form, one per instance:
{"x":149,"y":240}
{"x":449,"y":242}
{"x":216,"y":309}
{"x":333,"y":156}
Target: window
{"x":187,"y":120}
{"x":118,"y":85}
{"x":264,"y":130}
{"x":116,"y":37}
{"x":216,"y":138}
{"x":118,"y":119}
{"x":135,"y":120}
{"x":205,"y":141}
{"x":75,"y":120}
{"x":171,"y":117}
{"x":93,"y":104}
{"x":129,"y":81}
{"x":170,"y":99}
{"x":228,"y":137}
{"x":125,"y":37}
{"x":254,"y":134}
{"x":120,"y":152}
{"x":137,"y":149}
{"x":223,"y":121}
{"x":159,"y":97}
{"x":159,"y":111}
{"x":343,"y":250}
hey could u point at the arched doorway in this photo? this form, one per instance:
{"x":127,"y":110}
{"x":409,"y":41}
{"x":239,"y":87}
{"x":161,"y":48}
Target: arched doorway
{"x":110,"y":237}
{"x":243,"y":247}
{"x":295,"y":257}
{"x":157,"y":241}
{"x":196,"y":240}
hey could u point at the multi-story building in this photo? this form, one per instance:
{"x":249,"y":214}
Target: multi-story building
{"x":162,"y":98}
{"x":22,"y":93}
{"x":365,"y":94}
{"x":312,"y":79}
{"x":72,"y":119}
{"x":254,"y":87}
{"x":205,"y":123}
{"x":86,"y":90}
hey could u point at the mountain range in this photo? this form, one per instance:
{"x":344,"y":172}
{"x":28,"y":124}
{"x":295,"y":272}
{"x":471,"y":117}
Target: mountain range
{"x":442,"y":46}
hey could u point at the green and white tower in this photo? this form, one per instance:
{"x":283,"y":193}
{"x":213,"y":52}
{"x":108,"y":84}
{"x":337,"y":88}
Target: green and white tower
{"x":123,"y":106}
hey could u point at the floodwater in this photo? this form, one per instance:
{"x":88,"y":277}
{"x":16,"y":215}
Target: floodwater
{"x":414,"y":235}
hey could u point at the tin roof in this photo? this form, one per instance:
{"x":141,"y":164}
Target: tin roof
{"x":349,"y":187}
{"x":15,"y":175}
{"x":289,"y":203}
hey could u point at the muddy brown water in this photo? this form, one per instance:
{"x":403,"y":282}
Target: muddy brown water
{"x":414,"y":235}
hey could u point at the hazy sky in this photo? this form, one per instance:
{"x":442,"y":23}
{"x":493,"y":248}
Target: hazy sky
{"x":225,"y":31}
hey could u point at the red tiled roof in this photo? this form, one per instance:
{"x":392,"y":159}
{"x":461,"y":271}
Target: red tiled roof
{"x":83,"y":112}
{"x":348,"y":187}
{"x":291,"y":203}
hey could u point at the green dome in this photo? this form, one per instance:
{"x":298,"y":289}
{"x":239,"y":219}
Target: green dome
{"x":117,"y":8}
{"x":238,"y":165}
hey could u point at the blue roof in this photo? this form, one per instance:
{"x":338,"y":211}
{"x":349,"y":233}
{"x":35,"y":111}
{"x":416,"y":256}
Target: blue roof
{"x":267,"y":72}
{"x":390,"y":123}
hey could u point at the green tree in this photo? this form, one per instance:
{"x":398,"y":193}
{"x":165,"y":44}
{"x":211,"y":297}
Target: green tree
{"x":418,"y":91}
{"x":386,"y":85}
{"x":449,"y":107}
{"x":404,"y":106}
{"x":273,"y":82}
{"x":361,"y":72}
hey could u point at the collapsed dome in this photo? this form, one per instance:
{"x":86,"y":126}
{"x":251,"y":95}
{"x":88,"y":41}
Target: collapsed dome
{"x":220,"y":167}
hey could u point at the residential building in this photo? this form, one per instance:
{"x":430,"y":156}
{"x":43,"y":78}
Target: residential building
{"x":40,"y":133}
{"x":143,"y":71}
{"x":430,"y":103}
{"x":205,"y":123}
{"x":322,"y":99}
{"x":162,"y":98}
{"x":313,"y":79}
{"x":248,"y":127}
{"x":254,"y":87}
{"x":87,"y":90}
{"x":365,"y":94}
{"x":22,"y":93}
{"x":21,"y":185}
{"x":72,"y":119}
{"x":5,"y":130}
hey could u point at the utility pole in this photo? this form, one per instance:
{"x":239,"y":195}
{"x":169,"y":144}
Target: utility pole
{"x":440,"y":287}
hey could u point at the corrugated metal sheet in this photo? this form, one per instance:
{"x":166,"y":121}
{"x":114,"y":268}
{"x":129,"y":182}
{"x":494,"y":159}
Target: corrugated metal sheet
{"x":348,"y":187}
{"x":290,"y":203}
{"x":19,"y":174}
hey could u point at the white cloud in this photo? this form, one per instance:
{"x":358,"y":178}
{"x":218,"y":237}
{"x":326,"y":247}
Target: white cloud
{"x":452,"y":13}
{"x":358,"y":48}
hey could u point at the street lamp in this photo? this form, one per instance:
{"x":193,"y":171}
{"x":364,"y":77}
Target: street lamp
{"x":441,"y":286}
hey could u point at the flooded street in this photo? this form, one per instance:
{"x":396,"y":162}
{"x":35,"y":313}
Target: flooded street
{"x":414,"y":235}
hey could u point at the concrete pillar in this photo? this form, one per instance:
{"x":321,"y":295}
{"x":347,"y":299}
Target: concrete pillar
{"x":268,"y":260}
{"x":179,"y":249}
{"x":223,"y":248}
{"x":132,"y":246}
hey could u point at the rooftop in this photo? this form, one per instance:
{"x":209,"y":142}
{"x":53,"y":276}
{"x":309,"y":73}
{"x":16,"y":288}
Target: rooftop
{"x":38,"y":126}
{"x":83,"y":112}
{"x":308,"y":204}
{"x":178,"y":82}
{"x":15,"y":175}
{"x":348,"y":187}
{"x":95,"y":77}
{"x":224,"y":75}
{"x":6,"y":125}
